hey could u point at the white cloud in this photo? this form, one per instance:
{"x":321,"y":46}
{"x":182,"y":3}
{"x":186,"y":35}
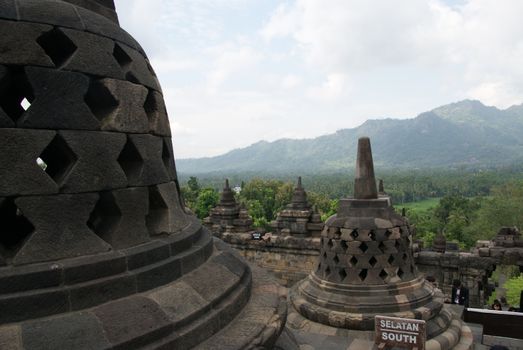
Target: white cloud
{"x":237,"y":71}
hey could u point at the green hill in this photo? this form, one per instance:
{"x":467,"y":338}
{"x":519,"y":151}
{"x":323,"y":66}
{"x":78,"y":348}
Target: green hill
{"x":462,"y":134}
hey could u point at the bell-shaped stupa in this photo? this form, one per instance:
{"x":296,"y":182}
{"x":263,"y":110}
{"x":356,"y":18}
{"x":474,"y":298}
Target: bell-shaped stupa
{"x":366,"y":268}
{"x":96,"y":250}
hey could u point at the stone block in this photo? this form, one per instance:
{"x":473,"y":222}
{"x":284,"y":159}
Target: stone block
{"x":180,"y":302}
{"x":484,"y":252}
{"x":60,"y":228}
{"x":8,"y":9}
{"x":69,"y":332}
{"x":142,"y":161}
{"x":220,"y":275}
{"x":10,"y":338}
{"x":53,"y":12}
{"x":20,"y":46}
{"x":19,"y":307}
{"x":157,"y":114}
{"x":101,"y":290}
{"x":96,"y":167}
{"x":133,"y":322}
{"x":20,"y":172}
{"x":183,"y":241}
{"x":168,"y":160}
{"x":93,"y":267}
{"x":231,"y":262}
{"x":105,"y":27}
{"x":165,"y":210}
{"x":119,"y":105}
{"x":30,"y":277}
{"x":49,"y":86}
{"x":146,"y":254}
{"x":161,"y":273}
{"x":94,"y":55}
{"x":119,"y":217}
{"x":139,"y":71}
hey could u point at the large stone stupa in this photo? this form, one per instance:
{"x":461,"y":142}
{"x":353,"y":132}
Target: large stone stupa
{"x":366,"y":268}
{"x":96,"y":250}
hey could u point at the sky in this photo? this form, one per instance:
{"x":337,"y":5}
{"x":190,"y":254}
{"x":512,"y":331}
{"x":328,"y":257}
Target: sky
{"x":234,"y":72}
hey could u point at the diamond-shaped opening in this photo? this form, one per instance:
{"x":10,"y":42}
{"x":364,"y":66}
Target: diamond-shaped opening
{"x":405,"y":256}
{"x":363,"y":274}
{"x":158,"y":217}
{"x":388,"y":233}
{"x":400,"y":273}
{"x":327,"y":271}
{"x":336,"y":259}
{"x":100,"y":100}
{"x":373,"y":261}
{"x":57,"y":46}
{"x":319,"y":267}
{"x":15,"y":228}
{"x":372,"y":235}
{"x":354,"y":234}
{"x":132,"y":78}
{"x":166,"y":155}
{"x":364,"y":247}
{"x":382,"y":247}
{"x":131,"y":161}
{"x":105,"y":217}
{"x":325,"y":255}
{"x":17,"y":94}
{"x":123,"y":59}
{"x":330,"y":244}
{"x":344,"y":245}
{"x":342,"y":273}
{"x":353,"y":261}
{"x":390,"y":260}
{"x":397,"y":245}
{"x":57,"y":160}
{"x":383,"y":274}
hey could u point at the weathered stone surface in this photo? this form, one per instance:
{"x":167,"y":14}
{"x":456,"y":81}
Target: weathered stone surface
{"x":49,"y":86}
{"x":19,"y":172}
{"x":142,"y":161}
{"x":126,"y":112}
{"x":10,"y":338}
{"x":165,"y":211}
{"x":8,"y":9}
{"x":20,"y":46}
{"x":119,"y":217}
{"x":51,"y":13}
{"x":60,"y":228}
{"x":157,"y":114}
{"x":96,"y":167}
{"x":133,"y":321}
{"x":80,"y":331}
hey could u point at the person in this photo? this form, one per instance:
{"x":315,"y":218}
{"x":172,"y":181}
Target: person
{"x":496,"y":305}
{"x":460,"y":294}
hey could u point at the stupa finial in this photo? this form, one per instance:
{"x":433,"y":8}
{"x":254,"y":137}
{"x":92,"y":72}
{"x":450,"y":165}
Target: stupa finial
{"x":365,"y":182}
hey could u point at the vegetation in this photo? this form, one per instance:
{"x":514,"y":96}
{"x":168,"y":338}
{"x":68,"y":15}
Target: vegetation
{"x":466,"y":206}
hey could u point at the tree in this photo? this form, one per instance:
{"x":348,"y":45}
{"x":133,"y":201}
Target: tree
{"x":207,"y":199}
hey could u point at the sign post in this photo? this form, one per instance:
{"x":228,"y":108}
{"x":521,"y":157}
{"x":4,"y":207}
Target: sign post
{"x":400,"y":332}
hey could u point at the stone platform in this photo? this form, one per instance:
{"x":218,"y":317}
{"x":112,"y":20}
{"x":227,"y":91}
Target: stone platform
{"x":311,"y":335}
{"x":247,"y":311}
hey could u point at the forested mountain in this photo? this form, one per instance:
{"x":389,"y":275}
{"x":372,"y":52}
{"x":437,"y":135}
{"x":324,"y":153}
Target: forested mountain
{"x":462,"y":134}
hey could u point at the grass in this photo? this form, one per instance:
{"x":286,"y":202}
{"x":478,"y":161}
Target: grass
{"x":421,"y":205}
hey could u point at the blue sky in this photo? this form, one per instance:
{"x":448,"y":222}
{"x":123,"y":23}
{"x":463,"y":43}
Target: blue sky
{"x":235,"y":72}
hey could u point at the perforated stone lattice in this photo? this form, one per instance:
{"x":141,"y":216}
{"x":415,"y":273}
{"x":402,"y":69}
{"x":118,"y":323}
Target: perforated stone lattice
{"x":366,"y":262}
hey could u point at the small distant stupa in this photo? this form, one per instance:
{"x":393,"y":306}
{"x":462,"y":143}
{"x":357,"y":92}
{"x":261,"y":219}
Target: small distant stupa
{"x":298,"y":218}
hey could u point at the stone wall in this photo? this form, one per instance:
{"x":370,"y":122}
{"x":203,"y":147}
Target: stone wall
{"x":288,"y":258}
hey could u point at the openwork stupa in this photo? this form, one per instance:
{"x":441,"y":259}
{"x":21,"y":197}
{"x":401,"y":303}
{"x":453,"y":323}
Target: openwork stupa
{"x":96,"y":251}
{"x":366,"y":268}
